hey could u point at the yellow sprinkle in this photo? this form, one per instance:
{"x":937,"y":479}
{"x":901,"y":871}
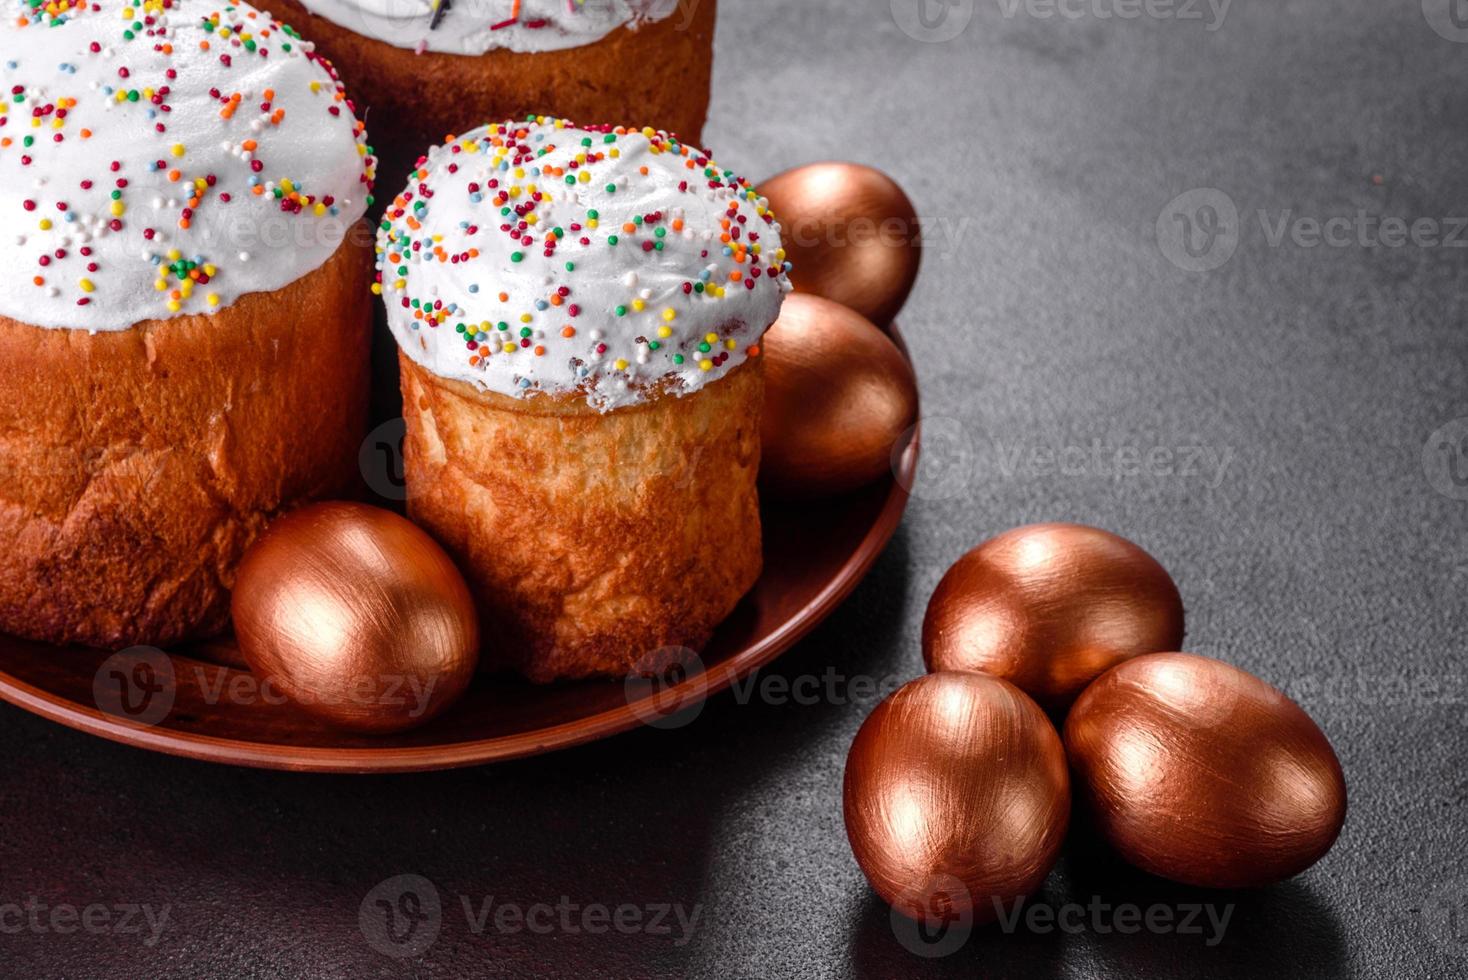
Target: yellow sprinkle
{"x":621,"y":365}
{"x":670,"y":314}
{"x":639,"y":305}
{"x":706,"y":364}
{"x":711,"y":338}
{"x":525,"y":317}
{"x":377,"y":289}
{"x":731,"y":343}
{"x":45,"y":224}
{"x":210,"y":270}
{"x":665,"y":332}
{"x":160,"y":284}
{"x":86,"y":285}
{"x":178,"y":149}
{"x":213,"y":299}
{"x":118,"y":208}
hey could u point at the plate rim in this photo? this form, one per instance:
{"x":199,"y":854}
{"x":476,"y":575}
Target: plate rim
{"x":568,"y":734}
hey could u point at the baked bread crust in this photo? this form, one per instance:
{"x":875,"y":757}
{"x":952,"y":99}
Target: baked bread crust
{"x":590,"y":541}
{"x":136,"y":466}
{"x":412,"y":101}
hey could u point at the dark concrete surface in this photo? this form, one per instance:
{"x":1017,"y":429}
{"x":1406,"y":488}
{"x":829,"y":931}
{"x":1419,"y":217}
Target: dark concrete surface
{"x":1319,"y":535}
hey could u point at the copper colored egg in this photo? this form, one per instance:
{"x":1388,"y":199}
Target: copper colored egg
{"x":956,"y":785}
{"x":1200,"y":772}
{"x":358,"y":616}
{"x":1050,"y":607}
{"x":851,"y":234}
{"x":839,"y":397}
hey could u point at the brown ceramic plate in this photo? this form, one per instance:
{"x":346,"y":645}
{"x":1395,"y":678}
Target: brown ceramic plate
{"x":188,"y":702}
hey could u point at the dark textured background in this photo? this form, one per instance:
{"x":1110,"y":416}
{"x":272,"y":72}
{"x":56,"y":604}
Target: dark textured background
{"x":1321,"y":556}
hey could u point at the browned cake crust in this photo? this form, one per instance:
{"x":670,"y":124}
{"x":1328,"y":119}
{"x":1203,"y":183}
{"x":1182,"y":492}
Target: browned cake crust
{"x":658,"y":75}
{"x":136,"y":466}
{"x":590,"y":541}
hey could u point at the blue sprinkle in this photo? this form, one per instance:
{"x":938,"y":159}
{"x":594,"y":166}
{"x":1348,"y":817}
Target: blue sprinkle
{"x":474,"y":287}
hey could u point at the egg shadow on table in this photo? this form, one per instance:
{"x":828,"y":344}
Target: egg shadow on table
{"x":1279,"y":930}
{"x":885,"y":946}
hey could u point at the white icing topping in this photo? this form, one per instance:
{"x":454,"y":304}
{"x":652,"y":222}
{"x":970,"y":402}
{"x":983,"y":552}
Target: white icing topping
{"x":539,"y":257}
{"x":477,"y":26}
{"x":136,"y":185}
